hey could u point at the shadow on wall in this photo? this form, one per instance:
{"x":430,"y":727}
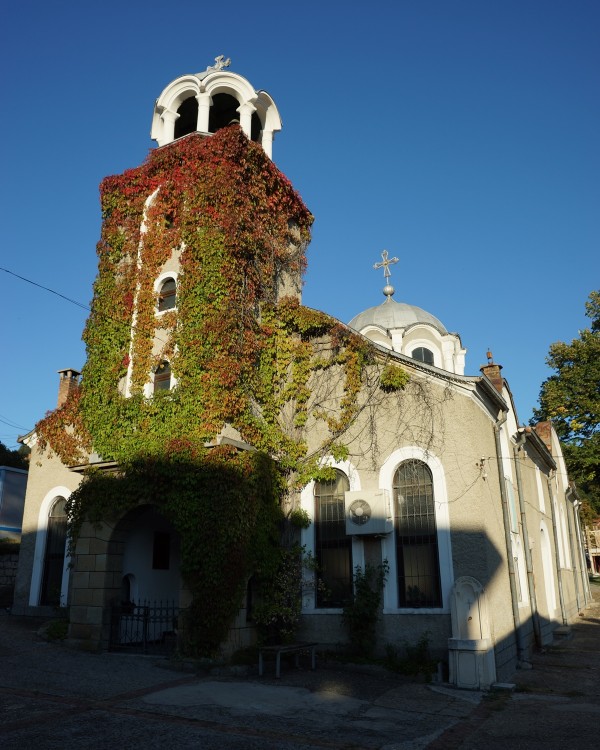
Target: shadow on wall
{"x":139,"y":557}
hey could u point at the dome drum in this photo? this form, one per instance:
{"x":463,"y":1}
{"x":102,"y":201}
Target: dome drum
{"x":410,"y":330}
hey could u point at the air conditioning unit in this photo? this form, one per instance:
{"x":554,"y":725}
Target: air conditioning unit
{"x":368,"y":512}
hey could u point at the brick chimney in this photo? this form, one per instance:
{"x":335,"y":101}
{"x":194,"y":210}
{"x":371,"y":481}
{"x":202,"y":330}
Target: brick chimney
{"x":69,"y":382}
{"x":544,"y":432}
{"x":492,"y":372}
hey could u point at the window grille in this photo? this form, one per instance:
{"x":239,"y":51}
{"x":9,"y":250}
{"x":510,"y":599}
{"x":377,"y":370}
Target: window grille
{"x":333,"y":547}
{"x":417,"y":554}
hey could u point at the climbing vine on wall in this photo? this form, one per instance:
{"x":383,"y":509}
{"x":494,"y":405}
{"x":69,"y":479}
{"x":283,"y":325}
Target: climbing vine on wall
{"x":242,"y":353}
{"x":224,"y":504}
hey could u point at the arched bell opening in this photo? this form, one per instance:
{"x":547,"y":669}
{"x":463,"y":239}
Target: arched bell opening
{"x":256,"y":128}
{"x":223,"y":112}
{"x":212,"y":100}
{"x":187,"y":122}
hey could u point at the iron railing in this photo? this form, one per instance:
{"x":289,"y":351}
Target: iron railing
{"x":146,"y":627}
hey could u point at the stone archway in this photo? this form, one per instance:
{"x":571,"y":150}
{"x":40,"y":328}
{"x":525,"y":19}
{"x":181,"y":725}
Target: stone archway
{"x":142,"y":546}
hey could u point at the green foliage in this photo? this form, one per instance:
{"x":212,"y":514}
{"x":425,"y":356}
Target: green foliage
{"x":241,"y":356}
{"x":299,"y":518}
{"x":393,"y":378}
{"x":278,"y":613}
{"x":415,"y":660}
{"x":223,"y":504}
{"x":56,"y":630}
{"x":571,"y":399}
{"x":15,"y":459}
{"x":362,"y":614}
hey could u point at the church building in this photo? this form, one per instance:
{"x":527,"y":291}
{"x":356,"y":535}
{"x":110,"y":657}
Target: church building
{"x":217,"y":421}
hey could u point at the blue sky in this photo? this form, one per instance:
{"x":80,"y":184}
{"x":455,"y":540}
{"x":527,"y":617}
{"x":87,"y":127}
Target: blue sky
{"x":461,"y":135}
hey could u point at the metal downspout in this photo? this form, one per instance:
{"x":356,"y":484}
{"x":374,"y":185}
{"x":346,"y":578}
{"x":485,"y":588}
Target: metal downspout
{"x":573,"y":557}
{"x":584,"y":571}
{"x":556,"y":550}
{"x":509,"y":555}
{"x":585,"y":583}
{"x":537,"y":630}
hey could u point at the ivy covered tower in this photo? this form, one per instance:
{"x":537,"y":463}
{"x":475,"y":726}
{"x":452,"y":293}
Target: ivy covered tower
{"x":195,"y":243}
{"x":201,"y":248}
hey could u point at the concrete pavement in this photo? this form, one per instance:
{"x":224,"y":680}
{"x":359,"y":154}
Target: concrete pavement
{"x":55,"y":697}
{"x":556,"y":705}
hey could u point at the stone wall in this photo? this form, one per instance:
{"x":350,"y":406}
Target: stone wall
{"x":9,"y":562}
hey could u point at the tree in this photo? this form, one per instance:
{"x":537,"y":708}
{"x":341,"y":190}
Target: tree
{"x":571,"y":399}
{"x":16,"y":459}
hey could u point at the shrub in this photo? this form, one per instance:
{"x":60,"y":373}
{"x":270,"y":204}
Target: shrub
{"x":416,"y":659}
{"x":362,"y":614}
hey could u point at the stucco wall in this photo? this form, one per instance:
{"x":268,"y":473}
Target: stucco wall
{"x":48,"y":478}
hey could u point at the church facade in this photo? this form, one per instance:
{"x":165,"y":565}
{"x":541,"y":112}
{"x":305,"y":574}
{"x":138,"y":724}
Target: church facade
{"x":393,"y":458}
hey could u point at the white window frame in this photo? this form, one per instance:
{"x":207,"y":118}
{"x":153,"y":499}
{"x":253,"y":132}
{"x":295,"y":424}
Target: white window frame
{"x":160,"y":280}
{"x":442,"y":518}
{"x":41,"y":536}
{"x":307,"y":503}
{"x":435,"y":352}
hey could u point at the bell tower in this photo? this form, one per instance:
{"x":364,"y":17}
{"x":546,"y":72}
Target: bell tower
{"x":208,"y":101}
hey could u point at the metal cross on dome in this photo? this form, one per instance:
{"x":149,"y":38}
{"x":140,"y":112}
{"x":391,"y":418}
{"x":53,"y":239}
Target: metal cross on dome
{"x":386,"y":262}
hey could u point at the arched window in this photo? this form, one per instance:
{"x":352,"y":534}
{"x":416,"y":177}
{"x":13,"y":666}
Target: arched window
{"x":162,"y":377}
{"x":423,"y":355}
{"x":417,"y":556}
{"x":167,"y":296}
{"x":54,"y":554}
{"x":333,"y":548}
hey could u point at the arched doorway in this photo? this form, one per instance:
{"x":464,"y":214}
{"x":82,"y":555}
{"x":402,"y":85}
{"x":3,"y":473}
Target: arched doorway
{"x":145,"y":614}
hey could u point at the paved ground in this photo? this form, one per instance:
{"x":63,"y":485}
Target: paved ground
{"x":556,"y":704}
{"x":55,"y":697}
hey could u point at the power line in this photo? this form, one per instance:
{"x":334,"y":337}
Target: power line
{"x":46,"y":288}
{"x":75,"y":302}
{"x":9,"y":423}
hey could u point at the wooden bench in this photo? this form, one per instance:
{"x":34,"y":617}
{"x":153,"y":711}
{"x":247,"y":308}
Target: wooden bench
{"x":286,"y":648}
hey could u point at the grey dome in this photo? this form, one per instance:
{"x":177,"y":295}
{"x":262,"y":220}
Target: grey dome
{"x":392,"y":314}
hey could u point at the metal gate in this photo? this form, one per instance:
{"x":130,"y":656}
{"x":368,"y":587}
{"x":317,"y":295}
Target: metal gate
{"x":145,"y":627}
